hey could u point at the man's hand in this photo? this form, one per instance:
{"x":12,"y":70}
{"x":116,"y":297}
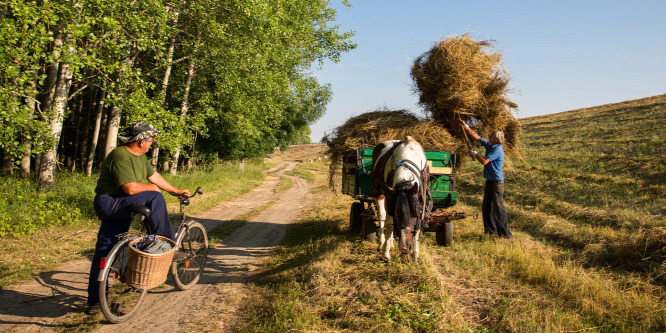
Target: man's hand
{"x":183,"y":193}
{"x":469,"y":130}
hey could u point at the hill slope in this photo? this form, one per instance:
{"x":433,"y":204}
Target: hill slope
{"x":604,"y":170}
{"x":586,"y":206}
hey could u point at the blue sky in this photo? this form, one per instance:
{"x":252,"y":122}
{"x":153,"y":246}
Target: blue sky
{"x":561,"y":55}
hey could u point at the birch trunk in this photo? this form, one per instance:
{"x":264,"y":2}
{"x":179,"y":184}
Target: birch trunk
{"x":184,"y":107}
{"x":165,"y":84}
{"x":48,"y":165}
{"x":101,"y":144}
{"x":49,"y":92}
{"x":7,"y":163}
{"x":99,"y":108}
{"x":77,"y":121}
{"x":155,"y":156}
{"x":87,"y":112}
{"x":31,"y":104}
{"x":112,"y":123}
{"x":114,"y":114}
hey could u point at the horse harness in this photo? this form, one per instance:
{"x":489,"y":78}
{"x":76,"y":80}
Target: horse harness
{"x":424,"y":206}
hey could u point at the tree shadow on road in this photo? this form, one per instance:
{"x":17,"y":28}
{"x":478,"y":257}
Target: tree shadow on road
{"x":67,"y":294}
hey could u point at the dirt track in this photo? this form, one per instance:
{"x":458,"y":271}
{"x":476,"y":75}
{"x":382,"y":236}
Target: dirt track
{"x":51,"y":300}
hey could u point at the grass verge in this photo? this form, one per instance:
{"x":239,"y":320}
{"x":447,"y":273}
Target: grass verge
{"x":68,"y":239}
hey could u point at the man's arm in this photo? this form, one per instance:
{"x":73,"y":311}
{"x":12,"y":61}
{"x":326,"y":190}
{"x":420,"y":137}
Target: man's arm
{"x":479,"y":158}
{"x":136,"y":187}
{"x":476,"y":137}
{"x":162,"y":183}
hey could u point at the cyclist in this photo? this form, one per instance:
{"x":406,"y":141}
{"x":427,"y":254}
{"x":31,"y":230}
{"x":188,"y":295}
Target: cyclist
{"x":121,"y":184}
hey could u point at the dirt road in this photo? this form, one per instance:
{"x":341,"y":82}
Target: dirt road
{"x":51,"y":300}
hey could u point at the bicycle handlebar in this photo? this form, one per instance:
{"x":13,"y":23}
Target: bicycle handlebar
{"x":199,"y":190}
{"x":184,"y":201}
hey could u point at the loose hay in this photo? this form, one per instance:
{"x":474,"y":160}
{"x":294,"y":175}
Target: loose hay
{"x":458,"y":79}
{"x":371,"y":128}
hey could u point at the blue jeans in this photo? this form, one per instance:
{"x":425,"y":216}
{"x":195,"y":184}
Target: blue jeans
{"x":114,"y":212}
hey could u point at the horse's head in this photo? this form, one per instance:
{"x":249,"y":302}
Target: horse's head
{"x":404,"y":207}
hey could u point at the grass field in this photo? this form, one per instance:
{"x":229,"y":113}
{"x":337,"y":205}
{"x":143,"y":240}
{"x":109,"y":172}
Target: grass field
{"x":586,"y":202}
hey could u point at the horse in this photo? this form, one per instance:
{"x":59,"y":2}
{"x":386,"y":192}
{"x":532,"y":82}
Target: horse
{"x":400,"y":183}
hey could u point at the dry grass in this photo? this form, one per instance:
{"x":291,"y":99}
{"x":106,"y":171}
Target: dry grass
{"x":320,"y":281}
{"x":588,"y":252}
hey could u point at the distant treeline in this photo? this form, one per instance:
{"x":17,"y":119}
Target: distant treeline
{"x":221,"y":79}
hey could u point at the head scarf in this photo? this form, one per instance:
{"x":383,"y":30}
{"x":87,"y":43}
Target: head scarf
{"x":137,"y":131}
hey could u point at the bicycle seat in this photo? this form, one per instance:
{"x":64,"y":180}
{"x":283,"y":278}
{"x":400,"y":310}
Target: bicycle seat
{"x":140,"y":209}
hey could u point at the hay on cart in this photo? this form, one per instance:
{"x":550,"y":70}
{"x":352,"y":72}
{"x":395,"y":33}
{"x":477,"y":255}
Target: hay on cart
{"x":372,"y":128}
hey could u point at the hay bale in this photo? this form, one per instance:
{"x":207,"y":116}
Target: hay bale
{"x":372,"y":128}
{"x":459,"y":79}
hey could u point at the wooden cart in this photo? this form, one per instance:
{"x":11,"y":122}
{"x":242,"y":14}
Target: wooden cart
{"x":356,"y":167}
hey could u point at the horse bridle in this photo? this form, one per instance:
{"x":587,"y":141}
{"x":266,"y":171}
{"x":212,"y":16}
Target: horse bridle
{"x":414,"y":168}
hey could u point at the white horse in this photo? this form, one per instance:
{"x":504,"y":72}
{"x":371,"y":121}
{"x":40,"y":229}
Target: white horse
{"x":399,"y":177}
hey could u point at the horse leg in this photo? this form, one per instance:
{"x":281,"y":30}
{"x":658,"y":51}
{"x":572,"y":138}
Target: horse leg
{"x":415,"y":253}
{"x":388,"y":245}
{"x":381,"y":211}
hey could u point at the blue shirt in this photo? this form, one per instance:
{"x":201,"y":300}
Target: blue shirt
{"x":495,"y":153}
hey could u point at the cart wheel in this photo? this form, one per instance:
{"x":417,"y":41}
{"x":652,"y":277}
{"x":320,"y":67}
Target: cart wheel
{"x":444,"y":234}
{"x":369,"y":231}
{"x":356,"y":218}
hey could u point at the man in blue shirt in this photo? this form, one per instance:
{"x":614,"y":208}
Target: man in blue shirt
{"x":494,"y":214}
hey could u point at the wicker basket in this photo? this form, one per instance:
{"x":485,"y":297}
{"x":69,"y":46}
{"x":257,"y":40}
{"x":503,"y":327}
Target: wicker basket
{"x":146,"y":270}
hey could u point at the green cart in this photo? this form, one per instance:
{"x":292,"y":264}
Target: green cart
{"x":356,"y":167}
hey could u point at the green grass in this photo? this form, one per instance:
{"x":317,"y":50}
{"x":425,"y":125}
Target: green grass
{"x":71,"y":227}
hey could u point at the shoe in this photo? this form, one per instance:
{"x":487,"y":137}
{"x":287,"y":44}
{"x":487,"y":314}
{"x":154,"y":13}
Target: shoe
{"x":179,"y":256}
{"x":93,"y":309}
{"x":507,"y":236}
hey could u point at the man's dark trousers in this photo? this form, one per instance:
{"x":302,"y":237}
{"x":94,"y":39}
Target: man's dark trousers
{"x":494,"y":214}
{"x":114,"y":212}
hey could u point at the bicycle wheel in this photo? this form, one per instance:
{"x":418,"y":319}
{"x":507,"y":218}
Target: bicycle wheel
{"x":119,"y":300}
{"x":193,"y":241}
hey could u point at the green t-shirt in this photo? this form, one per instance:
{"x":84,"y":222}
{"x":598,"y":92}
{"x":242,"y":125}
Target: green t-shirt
{"x":122,"y":167}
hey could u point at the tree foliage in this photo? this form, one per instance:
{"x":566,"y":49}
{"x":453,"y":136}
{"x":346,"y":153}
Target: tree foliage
{"x":221,"y":79}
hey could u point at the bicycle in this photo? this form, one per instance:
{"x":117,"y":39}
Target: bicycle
{"x":119,"y":300}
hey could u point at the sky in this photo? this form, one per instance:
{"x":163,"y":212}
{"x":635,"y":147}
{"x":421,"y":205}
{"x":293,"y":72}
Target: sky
{"x":561,"y":55}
